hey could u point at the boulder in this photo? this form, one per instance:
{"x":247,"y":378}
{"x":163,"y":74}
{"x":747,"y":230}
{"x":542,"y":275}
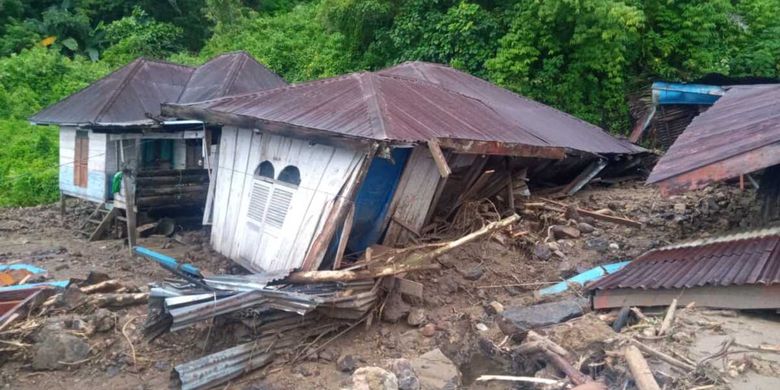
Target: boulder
{"x":436,"y":372}
{"x":56,"y":348}
{"x":373,"y":378}
{"x":404,"y":372}
{"x":516,"y":321}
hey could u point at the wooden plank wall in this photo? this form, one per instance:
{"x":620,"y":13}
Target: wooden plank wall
{"x":96,"y":189}
{"x":324,"y":170}
{"x":413,"y":198}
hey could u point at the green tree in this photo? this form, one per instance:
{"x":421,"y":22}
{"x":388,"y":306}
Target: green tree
{"x":139,"y":35}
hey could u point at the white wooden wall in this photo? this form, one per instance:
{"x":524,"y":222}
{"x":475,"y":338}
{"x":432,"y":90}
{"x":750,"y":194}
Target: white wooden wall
{"x":97,"y":187}
{"x":324,"y":170}
{"x":179,"y":154}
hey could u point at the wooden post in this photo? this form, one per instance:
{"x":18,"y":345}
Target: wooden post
{"x":128,"y":181}
{"x":344,"y":237}
{"x":510,"y":187}
{"x":439,"y":159}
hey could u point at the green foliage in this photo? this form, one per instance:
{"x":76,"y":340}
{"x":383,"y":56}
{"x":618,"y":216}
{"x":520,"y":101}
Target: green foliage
{"x":291,"y":43}
{"x":572,"y":54}
{"x":139,"y":35}
{"x":28,"y":164}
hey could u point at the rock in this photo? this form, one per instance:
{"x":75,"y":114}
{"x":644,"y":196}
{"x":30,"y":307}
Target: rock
{"x":494,"y":307}
{"x":542,"y":251}
{"x":416,"y":316}
{"x":597,"y":244}
{"x":614,"y":246}
{"x":481,"y":327}
{"x":346,"y":363}
{"x":70,"y":298}
{"x":585,"y":227}
{"x":395,"y":308}
{"x":429,"y":330}
{"x":564,"y":232}
{"x":436,"y":372}
{"x":404,"y":373}
{"x":374,"y":378}
{"x":327,"y":355}
{"x":58,"y":347}
{"x":448,"y":284}
{"x":516,"y":321}
{"x":103,"y":320}
{"x":473,"y":273}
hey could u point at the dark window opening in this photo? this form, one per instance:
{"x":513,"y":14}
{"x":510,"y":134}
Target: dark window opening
{"x":290,"y":175}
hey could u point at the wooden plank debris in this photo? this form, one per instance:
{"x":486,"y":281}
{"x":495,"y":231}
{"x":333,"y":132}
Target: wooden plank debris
{"x":643,"y":376}
{"x":439,"y":159}
{"x":596,"y":215}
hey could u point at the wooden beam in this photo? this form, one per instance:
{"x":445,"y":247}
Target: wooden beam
{"x":584,"y":177}
{"x":497,"y":148}
{"x":721,"y":297}
{"x":595,"y":215}
{"x":344,"y":237}
{"x":439,"y":159}
{"x":190,"y":134}
{"x":643,"y":376}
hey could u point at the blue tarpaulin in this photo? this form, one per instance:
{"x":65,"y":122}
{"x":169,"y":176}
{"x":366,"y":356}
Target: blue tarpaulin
{"x":677,"y":93}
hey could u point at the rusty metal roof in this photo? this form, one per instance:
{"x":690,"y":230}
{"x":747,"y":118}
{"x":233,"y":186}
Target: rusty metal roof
{"x":229,"y":74}
{"x":740,"y":259}
{"x":739,"y":134}
{"x":128,"y":94}
{"x":376,"y":106}
{"x":124,"y":96}
{"x":398,"y":105}
{"x":554,"y":127}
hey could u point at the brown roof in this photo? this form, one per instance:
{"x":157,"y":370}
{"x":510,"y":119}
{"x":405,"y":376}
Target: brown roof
{"x":541,"y":121}
{"x":739,"y":134}
{"x":229,"y":74}
{"x":740,"y":259}
{"x":399,"y":105}
{"x":126,"y":95}
{"x":376,"y":106}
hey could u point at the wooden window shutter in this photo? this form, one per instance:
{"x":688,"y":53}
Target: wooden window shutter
{"x":278,"y":206}
{"x":258,"y":201}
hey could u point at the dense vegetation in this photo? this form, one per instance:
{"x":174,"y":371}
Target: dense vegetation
{"x":582,"y":56}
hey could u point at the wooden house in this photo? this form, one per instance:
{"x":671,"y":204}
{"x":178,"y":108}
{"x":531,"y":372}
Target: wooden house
{"x":115,"y":125}
{"x":309,"y":172}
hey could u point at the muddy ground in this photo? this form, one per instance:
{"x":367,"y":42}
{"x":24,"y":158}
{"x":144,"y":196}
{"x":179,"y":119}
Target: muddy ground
{"x":495,"y":270}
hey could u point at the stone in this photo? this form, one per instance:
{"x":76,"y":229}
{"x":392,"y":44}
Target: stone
{"x":103,"y":320}
{"x":327,"y":355}
{"x":586,"y":227}
{"x":494,"y":307}
{"x":429,"y":330}
{"x":404,"y":373}
{"x":416,"y":316}
{"x":517,"y":321}
{"x":56,"y":348}
{"x":481,"y":327}
{"x":70,"y":298}
{"x":542,"y":251}
{"x":395,"y":308}
{"x":597,"y":244}
{"x":565,"y":232}
{"x":374,"y":378}
{"x":346,"y":363}
{"x":436,"y":372}
{"x":473,"y":273}
{"x":614,"y":246}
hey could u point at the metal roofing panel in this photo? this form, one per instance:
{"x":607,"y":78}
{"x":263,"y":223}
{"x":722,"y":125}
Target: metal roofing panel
{"x":555,"y":127}
{"x":744,"y":119}
{"x":745,"y":258}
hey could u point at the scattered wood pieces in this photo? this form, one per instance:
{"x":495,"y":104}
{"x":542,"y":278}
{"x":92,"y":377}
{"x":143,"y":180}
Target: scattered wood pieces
{"x":118,"y":300}
{"x":104,"y":286}
{"x":597,"y":215}
{"x":668,"y":318}
{"x":638,"y":313}
{"x":662,"y":356}
{"x":640,"y":370}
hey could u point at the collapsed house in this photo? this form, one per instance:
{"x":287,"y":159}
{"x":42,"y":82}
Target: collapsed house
{"x":310,"y":172}
{"x":739,"y":135}
{"x":114,"y":125}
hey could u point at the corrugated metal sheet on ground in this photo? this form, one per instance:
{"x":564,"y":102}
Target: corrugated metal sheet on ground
{"x":399,"y":105}
{"x":741,"y":259}
{"x":744,"y":119}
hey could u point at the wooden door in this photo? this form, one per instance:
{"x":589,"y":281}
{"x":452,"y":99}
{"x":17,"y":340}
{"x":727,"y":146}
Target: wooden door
{"x":81,"y":159}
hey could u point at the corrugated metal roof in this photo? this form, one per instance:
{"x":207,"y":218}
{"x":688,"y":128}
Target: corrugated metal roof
{"x":415,"y":102}
{"x":555,"y":127}
{"x":744,"y":120}
{"x":229,"y":74}
{"x":740,"y":259}
{"x":126,"y":95}
{"x":377,"y":106}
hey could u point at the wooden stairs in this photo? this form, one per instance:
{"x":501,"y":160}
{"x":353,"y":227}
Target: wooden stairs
{"x":99,"y":223}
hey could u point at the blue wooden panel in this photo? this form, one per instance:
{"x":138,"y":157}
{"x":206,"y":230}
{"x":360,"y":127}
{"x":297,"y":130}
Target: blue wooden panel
{"x":96,"y":184}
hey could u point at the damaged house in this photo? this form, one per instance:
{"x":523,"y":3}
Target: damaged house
{"x":114,"y":125}
{"x":309,"y":173}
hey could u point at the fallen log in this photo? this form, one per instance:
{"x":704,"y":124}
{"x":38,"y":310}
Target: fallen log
{"x":643,"y":376}
{"x":118,"y":300}
{"x":662,"y":356}
{"x":104,"y":286}
{"x":547,"y":343}
{"x":576,"y":377}
{"x":412,"y":262}
{"x":599,"y":216}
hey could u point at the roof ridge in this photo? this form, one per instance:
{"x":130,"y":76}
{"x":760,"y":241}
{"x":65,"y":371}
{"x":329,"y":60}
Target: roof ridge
{"x":233,"y":73}
{"x":137,"y":64}
{"x":371,"y":96}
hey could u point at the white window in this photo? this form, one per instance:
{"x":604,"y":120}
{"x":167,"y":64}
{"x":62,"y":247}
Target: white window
{"x":271,"y":198}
